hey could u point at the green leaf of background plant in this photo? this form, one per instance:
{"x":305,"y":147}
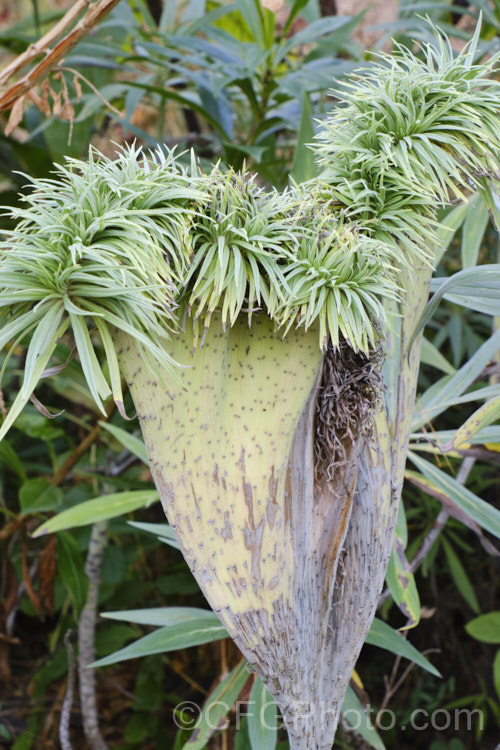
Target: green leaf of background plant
{"x":253,"y":13}
{"x":262,"y":718}
{"x":296,"y":8}
{"x":98,"y":509}
{"x":430,"y":355}
{"x":190,"y":617}
{"x":496,"y":672}
{"x":480,"y":394}
{"x":70,"y":568}
{"x":486,"y":515}
{"x":217,"y":706}
{"x":315,"y":30}
{"x":451,"y":222}
{"x":38,"y":494}
{"x":449,"y":389}
{"x":10,"y":460}
{"x":241,"y":738}
{"x":401,"y":531}
{"x":477,"y":288}
{"x":484,"y":300}
{"x":352,"y":707}
{"x":459,"y":575}
{"x":169,"y":638}
{"x":485,"y":628}
{"x":482,"y":417}
{"x":487,"y":435}
{"x":304,"y":167}
{"x":163,"y":531}
{"x":402,"y":586}
{"x":112,"y":638}
{"x":190,"y":100}
{"x":473,"y":231}
{"x":24,"y":394}
{"x":383,"y":636}
{"x":132,"y":443}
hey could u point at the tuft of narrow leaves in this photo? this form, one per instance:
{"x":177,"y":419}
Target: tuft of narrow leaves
{"x":414,"y":134}
{"x":106,"y":243}
{"x":291,"y":255}
{"x":241,"y":238}
{"x":133,"y":243}
{"x":340,"y":278}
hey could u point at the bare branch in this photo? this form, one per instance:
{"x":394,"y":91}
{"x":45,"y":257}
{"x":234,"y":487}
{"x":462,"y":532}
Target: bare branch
{"x":68,"y":698}
{"x":75,"y":456}
{"x":86,"y":636}
{"x":46,"y":40}
{"x":93,"y":88}
{"x":95,"y":13}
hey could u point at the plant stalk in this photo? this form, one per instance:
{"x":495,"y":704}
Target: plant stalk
{"x":86,"y":635}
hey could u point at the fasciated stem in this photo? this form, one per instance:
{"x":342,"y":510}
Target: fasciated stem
{"x":286,"y":556}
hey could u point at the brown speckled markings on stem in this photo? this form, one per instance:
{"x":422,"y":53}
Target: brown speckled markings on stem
{"x":293,"y":562}
{"x":335,"y":527}
{"x":403,"y":384}
{"x":219,"y":448}
{"x":329,"y":638}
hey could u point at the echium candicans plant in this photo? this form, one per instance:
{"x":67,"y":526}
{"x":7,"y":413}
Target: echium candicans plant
{"x":278,"y":447}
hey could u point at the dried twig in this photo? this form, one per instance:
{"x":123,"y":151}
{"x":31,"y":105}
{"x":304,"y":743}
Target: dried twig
{"x":94,"y":89}
{"x":28,"y":584}
{"x":44,"y":43}
{"x":392,"y":687}
{"x":184,"y":676}
{"x":86,"y":637}
{"x":11,"y":617}
{"x":68,"y":698}
{"x":74,"y":457}
{"x":11,"y":527}
{"x":429,"y":540}
{"x":96,"y":11}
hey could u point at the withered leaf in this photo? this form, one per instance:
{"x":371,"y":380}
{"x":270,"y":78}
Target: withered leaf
{"x":57,"y":106}
{"x":16,"y":115}
{"x":77,"y":87}
{"x":43,"y":409}
{"x":41,"y":102}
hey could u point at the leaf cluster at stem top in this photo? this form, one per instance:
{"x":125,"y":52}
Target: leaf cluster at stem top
{"x":289,"y":254}
{"x":138,"y":242}
{"x":415,"y":134}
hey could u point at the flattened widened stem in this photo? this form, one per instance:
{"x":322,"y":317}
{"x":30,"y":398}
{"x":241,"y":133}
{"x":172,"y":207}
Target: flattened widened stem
{"x":293,"y":563}
{"x":337,"y":624}
{"x":219,"y":453}
{"x":343,"y":558}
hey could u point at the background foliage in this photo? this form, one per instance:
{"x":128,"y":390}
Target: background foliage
{"x":240,"y":83}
